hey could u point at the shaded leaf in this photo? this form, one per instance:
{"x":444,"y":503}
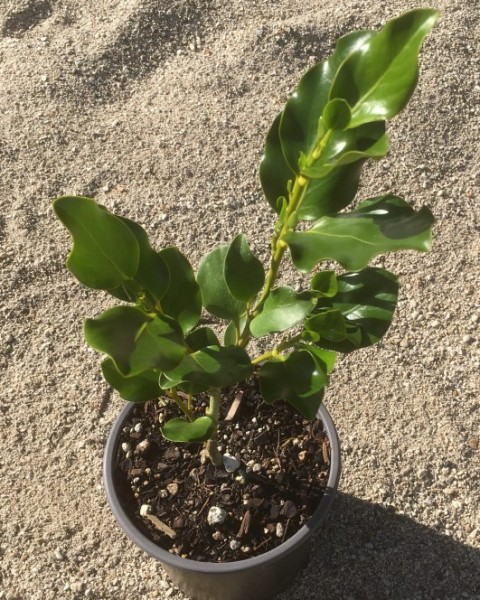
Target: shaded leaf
{"x":331,"y":193}
{"x":327,"y":324}
{"x":215,"y":366}
{"x":297,"y":380}
{"x":378,"y":79}
{"x":181,"y":430}
{"x":324,"y":283}
{"x":201,"y":338}
{"x":377,"y":226}
{"x":152,"y":274}
{"x":139,"y":388}
{"x":366,"y":300}
{"x":274,"y":170}
{"x":283,"y":309}
{"x":216,"y":295}
{"x":336,"y":114}
{"x":182,"y":300}
{"x":135,"y":341}
{"x":325,"y":358}
{"x":244,"y":273}
{"x":105,"y":252}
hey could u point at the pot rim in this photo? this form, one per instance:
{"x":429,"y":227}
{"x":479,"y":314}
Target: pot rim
{"x":187,"y":564}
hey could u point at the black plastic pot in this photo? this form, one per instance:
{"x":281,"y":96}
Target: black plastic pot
{"x":257,"y":578}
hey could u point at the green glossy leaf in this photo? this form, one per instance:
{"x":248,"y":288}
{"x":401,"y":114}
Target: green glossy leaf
{"x":274,"y":170}
{"x":230,"y":337}
{"x":336,"y":114}
{"x":105,"y":252}
{"x":214,"y":366}
{"x":139,"y":388}
{"x":366,"y":300}
{"x":379,"y":225}
{"x":216,"y":295}
{"x":299,"y":125}
{"x":283,"y":309}
{"x":159,"y":345}
{"x":244,"y":273}
{"x":325,"y":359}
{"x":378,"y":79}
{"x":344,"y":147}
{"x":134,"y":340}
{"x":324,"y":284}
{"x":201,"y":338}
{"x":182,"y":300}
{"x":181,"y":430}
{"x":153,"y":274}
{"x":297,"y":380}
{"x":331,"y":193}
{"x":328,"y":324}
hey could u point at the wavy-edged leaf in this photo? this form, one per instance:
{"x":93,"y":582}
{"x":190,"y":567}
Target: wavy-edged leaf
{"x":181,"y":430}
{"x":139,"y":388}
{"x":283,"y":309}
{"x":298,"y":380}
{"x":378,"y":79}
{"x":366,"y":301}
{"x":105,"y":252}
{"x":326,"y":358}
{"x":326,"y":324}
{"x":299,"y":125}
{"x":324,"y":284}
{"x":136,"y":341}
{"x":215,"y":366}
{"x":378,"y":225}
{"x":216,"y":295}
{"x":182,"y":300}
{"x":244,"y":273}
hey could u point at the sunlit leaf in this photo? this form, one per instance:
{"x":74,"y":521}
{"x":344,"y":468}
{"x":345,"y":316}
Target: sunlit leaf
{"x":182,"y":300}
{"x":105,"y":252}
{"x":378,"y":79}
{"x":377,"y":226}
{"x":181,"y":430}
{"x":216,"y":295}
{"x":283,"y":309}
{"x":138,"y":388}
{"x":244,"y":273}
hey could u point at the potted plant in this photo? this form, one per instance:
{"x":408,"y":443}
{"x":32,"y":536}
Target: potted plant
{"x":159,"y":345}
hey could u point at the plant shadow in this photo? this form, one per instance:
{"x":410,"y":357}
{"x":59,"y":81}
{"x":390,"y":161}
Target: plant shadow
{"x":366,"y":551}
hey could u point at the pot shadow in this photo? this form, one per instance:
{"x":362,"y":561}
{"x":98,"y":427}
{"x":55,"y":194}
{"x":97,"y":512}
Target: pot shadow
{"x":365,"y":551}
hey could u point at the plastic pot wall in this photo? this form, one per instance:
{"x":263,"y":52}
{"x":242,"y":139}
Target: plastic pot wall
{"x":257,"y":578}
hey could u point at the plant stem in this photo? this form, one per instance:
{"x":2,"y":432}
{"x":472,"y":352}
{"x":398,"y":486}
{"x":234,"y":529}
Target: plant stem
{"x":275,"y":351}
{"x":213,"y":411}
{"x":278,"y":250}
{"x":172,"y":393}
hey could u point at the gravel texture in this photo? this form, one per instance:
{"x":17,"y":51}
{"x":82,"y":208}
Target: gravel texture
{"x":159,"y":109}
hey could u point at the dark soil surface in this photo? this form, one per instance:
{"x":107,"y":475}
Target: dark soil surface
{"x":284,"y":467}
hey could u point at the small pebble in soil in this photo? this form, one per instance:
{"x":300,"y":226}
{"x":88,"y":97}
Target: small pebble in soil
{"x":172,"y":488}
{"x":216,"y":515}
{"x":138,"y":428}
{"x":257,"y":467}
{"x":126,"y":447}
{"x":143,"y":446}
{"x":230,"y":463}
{"x":234,"y":545}
{"x":218,"y":536}
{"x":145,"y":509}
{"x":279,"y":530}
